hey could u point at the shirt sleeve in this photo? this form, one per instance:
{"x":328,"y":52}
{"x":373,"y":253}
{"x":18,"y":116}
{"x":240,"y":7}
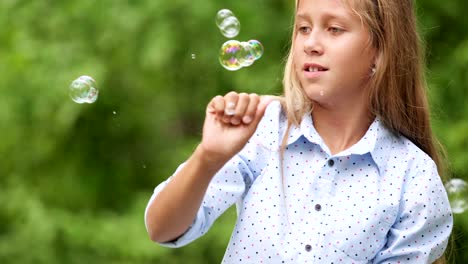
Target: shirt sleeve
{"x":227,"y":187}
{"x":231,"y":183}
{"x":421,"y":231}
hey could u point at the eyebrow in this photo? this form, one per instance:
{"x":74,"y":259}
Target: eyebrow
{"x":302,"y":15}
{"x":328,"y":15}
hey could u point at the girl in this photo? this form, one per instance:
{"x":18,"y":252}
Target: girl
{"x":342,"y":169}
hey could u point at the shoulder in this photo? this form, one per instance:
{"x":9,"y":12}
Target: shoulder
{"x":419,"y":159}
{"x":400,"y":160}
{"x":421,"y":165}
{"x":397,"y":151}
{"x":273,"y":111}
{"x":270,"y":128}
{"x":418,"y":166}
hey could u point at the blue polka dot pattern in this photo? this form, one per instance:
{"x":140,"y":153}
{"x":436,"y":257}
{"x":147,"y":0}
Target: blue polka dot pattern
{"x":380,"y":201}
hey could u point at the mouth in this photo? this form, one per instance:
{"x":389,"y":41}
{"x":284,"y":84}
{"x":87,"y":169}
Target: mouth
{"x":314,"y":68}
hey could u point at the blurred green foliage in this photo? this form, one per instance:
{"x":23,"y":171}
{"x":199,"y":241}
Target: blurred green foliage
{"x":75,"y":179}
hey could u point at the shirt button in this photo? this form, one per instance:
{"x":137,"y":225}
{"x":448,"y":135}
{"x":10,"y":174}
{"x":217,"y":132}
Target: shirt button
{"x":318,"y":207}
{"x":331,"y":162}
{"x":308,"y":248}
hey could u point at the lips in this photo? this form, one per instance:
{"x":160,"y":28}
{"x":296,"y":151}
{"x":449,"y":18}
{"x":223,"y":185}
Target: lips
{"x":312,"y":67}
{"x":313,"y":71}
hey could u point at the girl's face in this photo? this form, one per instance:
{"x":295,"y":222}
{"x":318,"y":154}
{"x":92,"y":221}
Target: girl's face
{"x":332,"y":55}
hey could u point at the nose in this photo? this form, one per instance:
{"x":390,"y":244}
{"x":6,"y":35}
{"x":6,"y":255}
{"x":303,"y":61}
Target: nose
{"x":313,"y":43}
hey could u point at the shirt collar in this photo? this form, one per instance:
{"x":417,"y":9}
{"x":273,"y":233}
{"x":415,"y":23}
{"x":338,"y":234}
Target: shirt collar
{"x":375,"y":140}
{"x":306,"y":128}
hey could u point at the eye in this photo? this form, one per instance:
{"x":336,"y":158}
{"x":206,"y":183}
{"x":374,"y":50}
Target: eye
{"x":304,"y":29}
{"x":335,"y":30}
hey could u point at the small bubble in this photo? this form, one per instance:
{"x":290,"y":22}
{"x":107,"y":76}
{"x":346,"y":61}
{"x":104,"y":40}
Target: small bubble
{"x":457,"y":192}
{"x":114,"y":112}
{"x":194,"y":56}
{"x":230,"y":27}
{"x":227,"y":23}
{"x":229,"y":55}
{"x":144,"y":166}
{"x":221,"y":15}
{"x":257,"y":48}
{"x":83,"y":90}
{"x":247,"y":55}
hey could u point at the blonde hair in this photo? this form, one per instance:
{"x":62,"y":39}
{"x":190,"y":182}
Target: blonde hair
{"x":397,"y":90}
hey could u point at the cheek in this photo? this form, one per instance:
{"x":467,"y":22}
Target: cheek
{"x":356,"y":59}
{"x":296,"y":50}
{"x":296,"y":60}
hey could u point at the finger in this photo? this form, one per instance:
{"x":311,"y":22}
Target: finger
{"x":216,"y":106}
{"x":242,"y":104}
{"x":249,"y":114}
{"x":230,"y":100}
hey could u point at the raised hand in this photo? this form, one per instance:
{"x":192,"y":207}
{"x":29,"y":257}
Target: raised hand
{"x":230,"y":122}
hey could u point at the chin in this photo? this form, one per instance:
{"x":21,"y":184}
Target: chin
{"x":317,"y":94}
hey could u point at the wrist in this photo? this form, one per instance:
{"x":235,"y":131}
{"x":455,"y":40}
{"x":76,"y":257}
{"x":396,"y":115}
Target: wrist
{"x":209,"y":159}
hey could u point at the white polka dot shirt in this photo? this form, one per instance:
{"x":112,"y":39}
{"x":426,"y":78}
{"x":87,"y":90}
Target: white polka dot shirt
{"x":380,"y":201}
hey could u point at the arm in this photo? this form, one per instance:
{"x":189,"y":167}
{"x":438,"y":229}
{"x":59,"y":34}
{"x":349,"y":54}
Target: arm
{"x":175,"y":207}
{"x":172,"y":211}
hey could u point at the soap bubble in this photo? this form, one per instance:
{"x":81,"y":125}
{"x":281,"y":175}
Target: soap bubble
{"x":229,"y":55}
{"x":234,"y":55}
{"x":223,"y":14}
{"x":247,"y":54}
{"x":230,"y":27}
{"x":83,"y":90}
{"x":457,"y":190}
{"x":257,"y":48}
{"x":227,"y":23}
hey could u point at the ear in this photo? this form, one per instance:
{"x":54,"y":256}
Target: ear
{"x":376,"y":62}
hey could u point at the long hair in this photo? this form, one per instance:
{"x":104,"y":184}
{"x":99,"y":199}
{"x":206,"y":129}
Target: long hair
{"x":397,"y":92}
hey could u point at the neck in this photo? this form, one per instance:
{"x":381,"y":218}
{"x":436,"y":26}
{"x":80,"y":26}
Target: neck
{"x":341,"y":127}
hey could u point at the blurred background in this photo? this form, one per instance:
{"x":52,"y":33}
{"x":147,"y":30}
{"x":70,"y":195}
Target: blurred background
{"x":75,"y":178}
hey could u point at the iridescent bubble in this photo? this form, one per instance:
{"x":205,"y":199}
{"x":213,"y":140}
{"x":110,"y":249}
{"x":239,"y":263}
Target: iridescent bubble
{"x":83,"y":90}
{"x":230,"y":27}
{"x":247,"y":54}
{"x":257,"y":48}
{"x":229,"y":55}
{"x":221,"y":15}
{"x":457,"y":190}
{"x":235,"y":55}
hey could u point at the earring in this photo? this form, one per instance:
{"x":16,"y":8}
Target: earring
{"x":373,"y":70}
